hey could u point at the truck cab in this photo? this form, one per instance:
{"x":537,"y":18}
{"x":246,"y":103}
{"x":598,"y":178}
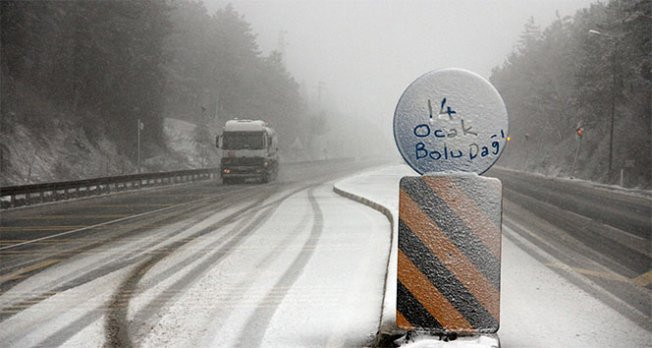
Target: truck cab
{"x":249,"y":151}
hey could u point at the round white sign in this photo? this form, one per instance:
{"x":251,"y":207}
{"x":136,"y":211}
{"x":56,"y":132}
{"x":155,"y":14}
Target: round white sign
{"x":450,"y":120}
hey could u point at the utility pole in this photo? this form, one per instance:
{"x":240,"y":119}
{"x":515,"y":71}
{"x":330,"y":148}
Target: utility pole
{"x":140,"y":127}
{"x":614,"y":41}
{"x":216,"y":114}
{"x":613,"y":104}
{"x":320,"y":88}
{"x":282,"y":43}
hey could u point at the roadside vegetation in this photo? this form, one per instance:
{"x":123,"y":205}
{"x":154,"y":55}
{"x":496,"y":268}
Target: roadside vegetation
{"x":569,"y":76}
{"x":77,"y":75}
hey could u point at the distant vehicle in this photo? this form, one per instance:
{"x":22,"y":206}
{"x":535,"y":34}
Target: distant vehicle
{"x":249,"y":150}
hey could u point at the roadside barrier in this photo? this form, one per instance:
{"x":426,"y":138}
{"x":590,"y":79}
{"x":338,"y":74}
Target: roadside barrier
{"x":15,"y":196}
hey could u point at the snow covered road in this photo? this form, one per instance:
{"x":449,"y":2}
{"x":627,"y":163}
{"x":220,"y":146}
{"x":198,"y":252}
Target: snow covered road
{"x":553,"y":293}
{"x":289,"y":264}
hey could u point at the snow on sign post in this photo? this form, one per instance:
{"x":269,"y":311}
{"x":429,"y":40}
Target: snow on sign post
{"x":450,"y":125}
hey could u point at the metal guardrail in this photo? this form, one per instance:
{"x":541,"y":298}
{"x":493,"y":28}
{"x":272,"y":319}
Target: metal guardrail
{"x":15,"y":196}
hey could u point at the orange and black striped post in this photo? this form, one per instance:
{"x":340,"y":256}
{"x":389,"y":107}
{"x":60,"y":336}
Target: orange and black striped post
{"x":449,"y":237}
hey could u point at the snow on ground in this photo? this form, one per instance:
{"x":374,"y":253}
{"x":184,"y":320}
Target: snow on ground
{"x":76,"y":316}
{"x":180,"y":137}
{"x":62,"y":150}
{"x":190,"y":147}
{"x":381,"y":187}
{"x":34,"y":325}
{"x":59,"y":151}
{"x":539,"y":308}
{"x":425,"y":341}
{"x":299,"y":270}
{"x":310,"y":275}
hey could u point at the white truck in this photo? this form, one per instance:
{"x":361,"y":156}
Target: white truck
{"x":249,"y":151}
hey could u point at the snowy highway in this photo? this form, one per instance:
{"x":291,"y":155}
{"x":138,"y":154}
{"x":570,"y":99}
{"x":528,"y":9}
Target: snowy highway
{"x":326,"y":173}
{"x":562,"y":284}
{"x":293,"y":264}
{"x":285,"y":264}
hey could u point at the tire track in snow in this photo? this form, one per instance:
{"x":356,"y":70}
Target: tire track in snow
{"x":62,"y":335}
{"x":174,"y":291}
{"x":43,"y":294}
{"x":180,"y":265}
{"x":121,"y":230}
{"x":171,"y":271}
{"x":258,"y":322}
{"x":100,"y":230}
{"x":116,"y":325}
{"x":68,"y":331}
{"x":243,"y":286}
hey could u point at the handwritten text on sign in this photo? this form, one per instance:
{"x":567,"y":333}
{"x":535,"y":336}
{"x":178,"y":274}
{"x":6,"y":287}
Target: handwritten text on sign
{"x":450,"y":120}
{"x":442,"y":150}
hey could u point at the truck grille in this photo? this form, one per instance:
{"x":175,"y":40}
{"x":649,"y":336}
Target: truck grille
{"x":242,"y":161}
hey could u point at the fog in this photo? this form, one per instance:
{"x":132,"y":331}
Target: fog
{"x":367,"y":52}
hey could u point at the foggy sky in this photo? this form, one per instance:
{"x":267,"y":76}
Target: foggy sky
{"x":367,"y":52}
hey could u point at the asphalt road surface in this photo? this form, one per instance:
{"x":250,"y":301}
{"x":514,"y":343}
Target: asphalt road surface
{"x":599,"y":238}
{"x":281,"y":264}
{"x":560,"y":286}
{"x":292,"y":264}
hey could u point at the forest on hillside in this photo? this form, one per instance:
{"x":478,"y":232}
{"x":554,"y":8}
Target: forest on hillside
{"x":563,"y":86}
{"x":99,"y":66}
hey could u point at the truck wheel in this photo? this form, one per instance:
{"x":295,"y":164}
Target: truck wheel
{"x":227,"y":181}
{"x":265,"y":178}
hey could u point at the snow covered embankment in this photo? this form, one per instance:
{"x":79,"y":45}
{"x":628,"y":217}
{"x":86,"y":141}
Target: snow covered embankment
{"x":64,"y":151}
{"x":61,"y":151}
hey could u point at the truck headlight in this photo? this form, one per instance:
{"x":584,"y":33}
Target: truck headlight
{"x":265,"y":164}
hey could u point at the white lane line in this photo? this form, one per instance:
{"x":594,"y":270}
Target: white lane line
{"x":85,"y":228}
{"x":105,"y":223}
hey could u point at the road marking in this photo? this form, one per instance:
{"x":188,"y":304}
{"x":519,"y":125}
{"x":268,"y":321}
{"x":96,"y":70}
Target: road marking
{"x":37,"y":228}
{"x":598,"y":274}
{"x":102,"y":224}
{"x":19,"y":273}
{"x":104,"y":205}
{"x":122,"y":219}
{"x":586,"y":284}
{"x":644,"y":279}
{"x":53,"y":217}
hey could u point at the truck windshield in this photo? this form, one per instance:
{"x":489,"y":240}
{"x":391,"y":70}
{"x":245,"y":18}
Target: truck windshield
{"x":243,"y":140}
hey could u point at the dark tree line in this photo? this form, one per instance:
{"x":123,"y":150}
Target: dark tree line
{"x":104,"y":64}
{"x":572,"y":75}
{"x":98,"y":63}
{"x":216,"y":73}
